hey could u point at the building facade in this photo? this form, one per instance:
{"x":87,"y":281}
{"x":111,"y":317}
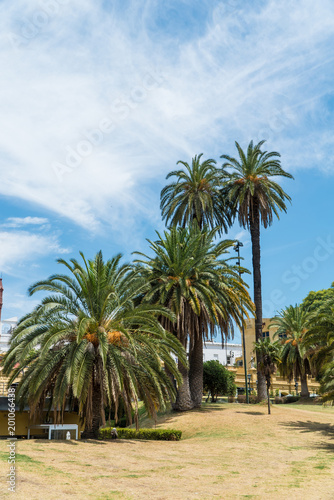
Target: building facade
{"x":6,"y":328}
{"x":226,"y":354}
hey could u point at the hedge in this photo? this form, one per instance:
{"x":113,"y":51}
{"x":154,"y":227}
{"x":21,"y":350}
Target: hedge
{"x":154,"y":434}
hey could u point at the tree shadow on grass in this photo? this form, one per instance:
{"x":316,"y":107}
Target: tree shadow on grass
{"x":105,"y":441}
{"x":102,"y":442}
{"x":204,"y":409}
{"x":326,"y":447}
{"x":251,"y":412}
{"x":173,"y":415}
{"x":311,"y":426}
{"x":53,"y":441}
{"x":326,"y":430}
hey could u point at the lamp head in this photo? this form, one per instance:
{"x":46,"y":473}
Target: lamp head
{"x":237,"y":246}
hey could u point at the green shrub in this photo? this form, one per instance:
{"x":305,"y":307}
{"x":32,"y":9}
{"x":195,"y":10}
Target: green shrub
{"x":217,"y":380}
{"x":153,"y":434}
{"x":279,"y":400}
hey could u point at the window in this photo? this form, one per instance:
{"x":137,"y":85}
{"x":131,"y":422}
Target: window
{"x":240,"y":363}
{"x":265,"y":335}
{"x":215,"y":356}
{"x":228,"y":360}
{"x":282,"y":335}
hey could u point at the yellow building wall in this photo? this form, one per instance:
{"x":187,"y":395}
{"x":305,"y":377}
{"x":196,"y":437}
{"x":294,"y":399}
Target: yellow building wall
{"x":250,"y":337}
{"x":22,"y":421}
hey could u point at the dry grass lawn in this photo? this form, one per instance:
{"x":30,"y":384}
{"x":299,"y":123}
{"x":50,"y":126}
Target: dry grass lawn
{"x":227,"y":451}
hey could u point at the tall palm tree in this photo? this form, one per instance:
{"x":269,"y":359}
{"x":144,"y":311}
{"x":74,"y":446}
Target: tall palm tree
{"x":195,"y":195}
{"x":292,"y":324}
{"x":189,"y":275}
{"x":87,"y":342}
{"x":269,"y":355}
{"x":255,"y":199}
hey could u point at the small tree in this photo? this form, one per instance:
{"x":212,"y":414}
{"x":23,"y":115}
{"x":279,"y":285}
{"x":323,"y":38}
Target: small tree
{"x":269,"y":354}
{"x":218,"y":380}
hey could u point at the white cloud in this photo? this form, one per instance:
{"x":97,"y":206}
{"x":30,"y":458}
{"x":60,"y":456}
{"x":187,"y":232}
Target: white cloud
{"x":250,"y":72}
{"x":25,"y":221}
{"x":20,"y":247}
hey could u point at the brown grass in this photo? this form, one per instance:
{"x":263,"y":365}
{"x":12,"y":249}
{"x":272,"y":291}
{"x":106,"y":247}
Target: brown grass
{"x":228,"y":451}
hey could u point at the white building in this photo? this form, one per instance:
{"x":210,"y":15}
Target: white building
{"x":6,"y":328}
{"x":225,"y":354}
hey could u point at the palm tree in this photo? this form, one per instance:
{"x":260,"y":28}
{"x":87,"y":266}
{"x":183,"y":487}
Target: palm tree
{"x":292,"y":324}
{"x":327,"y":382}
{"x":255,"y":198}
{"x":195,"y":195}
{"x":319,"y":342}
{"x":189,"y":275}
{"x":319,"y":338}
{"x":269,"y":354}
{"x":86,"y":342}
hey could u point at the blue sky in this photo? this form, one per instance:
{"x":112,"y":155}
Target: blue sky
{"x":101,"y":99}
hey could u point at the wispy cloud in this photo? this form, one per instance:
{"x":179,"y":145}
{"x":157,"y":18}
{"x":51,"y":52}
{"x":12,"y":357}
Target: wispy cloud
{"x":20,"y":247}
{"x":116,"y":97}
{"x":25,"y":221}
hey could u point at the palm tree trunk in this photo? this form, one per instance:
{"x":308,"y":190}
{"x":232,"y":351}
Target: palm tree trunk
{"x":196,"y":370}
{"x":304,"y":388}
{"x":268,"y":387}
{"x":255,"y":236}
{"x":91,"y":430}
{"x":183,"y":399}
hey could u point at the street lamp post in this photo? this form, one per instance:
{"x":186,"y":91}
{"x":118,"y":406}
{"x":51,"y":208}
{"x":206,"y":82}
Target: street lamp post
{"x":237,"y":249}
{"x":249,"y":383}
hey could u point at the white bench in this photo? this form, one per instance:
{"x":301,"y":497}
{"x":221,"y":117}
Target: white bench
{"x":55,"y":427}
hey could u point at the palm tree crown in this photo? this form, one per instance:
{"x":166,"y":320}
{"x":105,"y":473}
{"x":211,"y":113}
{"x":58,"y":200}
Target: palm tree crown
{"x":195,"y":195}
{"x":87,"y":342}
{"x":251,"y":190}
{"x":189,"y":275}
